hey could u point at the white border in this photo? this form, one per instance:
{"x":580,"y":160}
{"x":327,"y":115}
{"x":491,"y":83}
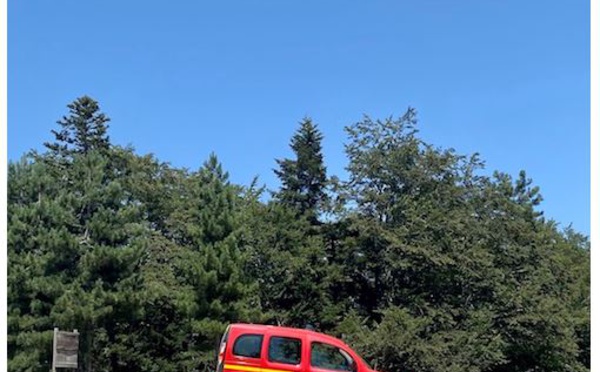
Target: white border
{"x":595,"y":163}
{"x":3,"y":185}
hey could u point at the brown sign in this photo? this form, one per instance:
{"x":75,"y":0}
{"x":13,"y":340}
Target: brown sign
{"x":66,"y":346}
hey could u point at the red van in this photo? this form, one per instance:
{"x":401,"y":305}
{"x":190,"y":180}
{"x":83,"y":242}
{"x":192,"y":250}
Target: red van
{"x":265,"y":348}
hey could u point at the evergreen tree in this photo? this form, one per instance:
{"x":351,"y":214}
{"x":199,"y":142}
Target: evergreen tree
{"x":82,"y":227}
{"x":206,"y":223}
{"x":83,"y":130}
{"x":304,"y":179}
{"x":80,"y":237}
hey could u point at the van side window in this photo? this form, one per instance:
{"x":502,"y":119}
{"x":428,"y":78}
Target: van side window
{"x":330,"y":357}
{"x":248,"y":346}
{"x":285,"y":350}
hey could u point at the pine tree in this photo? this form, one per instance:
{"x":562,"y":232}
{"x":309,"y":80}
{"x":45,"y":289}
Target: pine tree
{"x":206,"y":223}
{"x":304,"y":179}
{"x":77,"y":226}
{"x":82,"y":131}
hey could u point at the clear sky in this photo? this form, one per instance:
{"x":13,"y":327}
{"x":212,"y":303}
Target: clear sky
{"x":506,"y":78}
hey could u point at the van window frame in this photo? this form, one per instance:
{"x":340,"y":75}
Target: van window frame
{"x":240,"y":336}
{"x":299,"y":340}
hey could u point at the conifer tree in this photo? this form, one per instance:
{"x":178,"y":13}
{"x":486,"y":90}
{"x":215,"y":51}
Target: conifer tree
{"x":81,"y":228}
{"x":304,"y":179}
{"x":205,"y":222}
{"x":83,"y":130}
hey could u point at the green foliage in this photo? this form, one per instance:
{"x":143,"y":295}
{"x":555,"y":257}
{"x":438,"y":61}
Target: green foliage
{"x":289,"y":263}
{"x":84,"y":130}
{"x":304,"y":179}
{"x":461,"y":271}
{"x":428,"y":264}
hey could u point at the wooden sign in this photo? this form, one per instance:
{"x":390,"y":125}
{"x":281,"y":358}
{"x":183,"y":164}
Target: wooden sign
{"x":66,"y":346}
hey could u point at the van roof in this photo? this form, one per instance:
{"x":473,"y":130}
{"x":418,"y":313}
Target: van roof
{"x":287,"y":330}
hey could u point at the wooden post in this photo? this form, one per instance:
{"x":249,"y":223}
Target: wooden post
{"x":54,"y":349}
{"x":77,"y":332}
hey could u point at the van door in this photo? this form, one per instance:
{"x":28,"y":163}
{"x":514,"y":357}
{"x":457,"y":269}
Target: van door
{"x":244,"y":352}
{"x":284,"y":353}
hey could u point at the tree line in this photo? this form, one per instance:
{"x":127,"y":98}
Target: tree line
{"x":417,"y":259}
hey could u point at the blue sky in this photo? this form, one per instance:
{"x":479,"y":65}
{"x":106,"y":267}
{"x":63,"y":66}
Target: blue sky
{"x":508,"y":79}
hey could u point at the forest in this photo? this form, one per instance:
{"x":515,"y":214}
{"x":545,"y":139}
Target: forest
{"x":419,"y":258}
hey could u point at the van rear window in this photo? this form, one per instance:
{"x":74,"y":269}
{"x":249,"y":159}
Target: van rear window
{"x":248,"y":346}
{"x":285,"y":350}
